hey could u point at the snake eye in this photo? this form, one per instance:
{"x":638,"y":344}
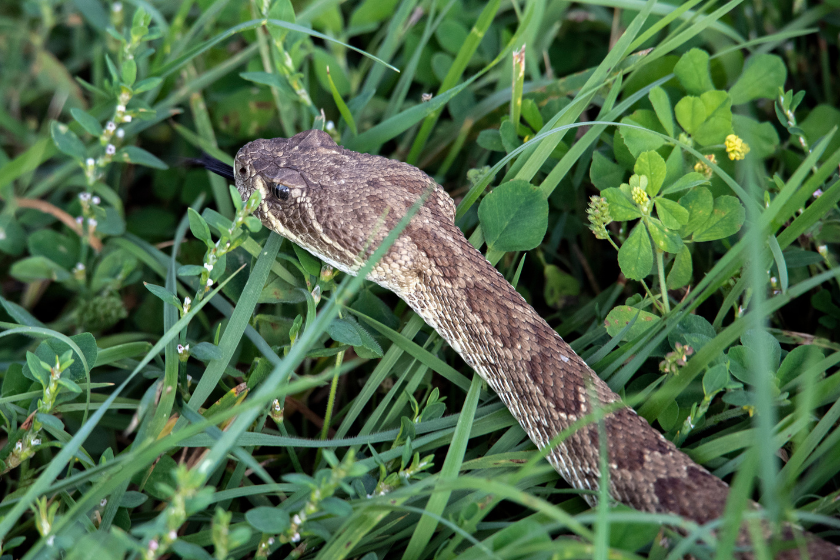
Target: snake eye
{"x":280,"y":191}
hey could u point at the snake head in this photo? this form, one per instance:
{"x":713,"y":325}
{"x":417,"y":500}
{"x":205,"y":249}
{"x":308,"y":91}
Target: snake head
{"x":335,"y":203}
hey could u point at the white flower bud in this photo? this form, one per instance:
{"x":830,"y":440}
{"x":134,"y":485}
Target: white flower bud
{"x":96,"y":200}
{"x":120,"y":133}
{"x":90,"y":162}
{"x":120,"y":108}
{"x":126,"y":118}
{"x":111,"y":126}
{"x":92,"y":223}
{"x":116,"y":7}
{"x":110,"y":149}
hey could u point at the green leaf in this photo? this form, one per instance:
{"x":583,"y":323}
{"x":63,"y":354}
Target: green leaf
{"x":639,"y":141}
{"x":310,"y":263}
{"x":673,"y":215}
{"x":12,"y":236}
{"x":514,"y":216}
{"x":372,"y":11}
{"x":693,"y":72}
{"x":273,"y":80}
{"x":510,"y":140}
{"x":662,"y":107}
{"x":818,"y":123}
{"x":559,"y":286}
{"x":699,"y":202}
{"x":19,"y":315}
{"x":37,"y":268}
{"x":52,"y":347}
{"x":761,"y":78}
{"x":690,"y":112}
{"x":761,"y":137}
{"x":90,"y":124}
{"x":604,"y":173}
{"x":764,"y":344}
{"x":36,"y":369}
{"x":129,"y":71}
{"x":50,"y":420}
{"x":726,"y":219}
{"x":280,"y":291}
{"x":652,"y":166}
{"x":14,"y":382}
{"x":715,"y":379}
{"x":139,"y":156}
{"x":70,"y":385}
{"x":635,"y":257}
{"x":205,"y":352}
{"x":60,"y":249}
{"x":491,"y":139}
{"x":681,"y":270}
{"x":687,"y":181}
{"x":163,"y":294}
{"x":531,"y":114}
{"x":343,"y":331}
{"x":190,"y":270}
{"x":668,"y":418}
{"x":199,"y":227}
{"x":621,"y":316}
{"x":797,"y":362}
{"x":718,"y":123}
{"x":67,"y":142}
{"x":146,"y":85}
{"x":622,"y":207}
{"x":664,"y":239}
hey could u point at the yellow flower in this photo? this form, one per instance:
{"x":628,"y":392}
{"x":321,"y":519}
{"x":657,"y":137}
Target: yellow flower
{"x":702,"y":167}
{"x":736,"y":148}
{"x":639,"y":195}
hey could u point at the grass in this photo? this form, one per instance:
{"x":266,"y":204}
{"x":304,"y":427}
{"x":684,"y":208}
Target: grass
{"x":287,"y":410}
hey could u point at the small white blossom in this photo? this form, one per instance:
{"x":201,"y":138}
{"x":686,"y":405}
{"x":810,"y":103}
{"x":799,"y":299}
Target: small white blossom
{"x":823,"y":250}
{"x":818,"y":193}
{"x":330,"y":125}
{"x":120,"y":133}
{"x":111,"y":126}
{"x":92,"y":223}
{"x":51,"y":540}
{"x":426,"y":97}
{"x":19,"y":446}
{"x":173,"y":535}
{"x":208,"y":266}
{"x":84,"y":197}
{"x":153,"y":545}
{"x":90,"y":162}
{"x":80,"y":220}
{"x":296,"y":538}
{"x":209,"y":282}
{"x":36,"y":442}
{"x":270,"y":541}
{"x":79,"y":267}
{"x":116,"y":7}
{"x":120,"y":108}
{"x":96,"y":200}
{"x":296,"y":519}
{"x":126,"y":118}
{"x":110,"y":149}
{"x":103,"y":503}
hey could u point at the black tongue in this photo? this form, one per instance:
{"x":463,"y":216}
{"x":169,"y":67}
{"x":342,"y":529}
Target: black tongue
{"x":212,"y":164}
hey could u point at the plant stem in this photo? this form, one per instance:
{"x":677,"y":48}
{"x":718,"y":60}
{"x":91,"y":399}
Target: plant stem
{"x":660,"y":267}
{"x":331,"y":402}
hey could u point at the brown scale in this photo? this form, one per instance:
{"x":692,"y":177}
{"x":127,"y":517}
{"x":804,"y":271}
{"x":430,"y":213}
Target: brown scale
{"x":452,"y":286}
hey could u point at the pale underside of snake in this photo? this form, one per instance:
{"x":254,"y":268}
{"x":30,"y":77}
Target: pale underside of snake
{"x":331,"y":201}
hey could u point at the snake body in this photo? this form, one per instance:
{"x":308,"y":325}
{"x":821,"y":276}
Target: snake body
{"x":331,"y":201}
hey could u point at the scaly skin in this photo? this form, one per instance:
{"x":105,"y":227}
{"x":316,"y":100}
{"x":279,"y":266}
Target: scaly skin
{"x":334,"y":208}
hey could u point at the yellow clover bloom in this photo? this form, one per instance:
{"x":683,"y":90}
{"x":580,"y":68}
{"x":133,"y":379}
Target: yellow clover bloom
{"x":736,"y":148}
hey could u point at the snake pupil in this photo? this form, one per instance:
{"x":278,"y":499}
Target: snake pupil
{"x":281,"y":192}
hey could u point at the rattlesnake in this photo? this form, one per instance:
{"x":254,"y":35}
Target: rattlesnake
{"x":331,"y":201}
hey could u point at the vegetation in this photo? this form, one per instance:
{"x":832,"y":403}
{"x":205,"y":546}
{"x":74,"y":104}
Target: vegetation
{"x":177,"y":381}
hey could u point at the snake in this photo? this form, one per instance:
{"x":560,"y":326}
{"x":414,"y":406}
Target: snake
{"x":339,"y":205}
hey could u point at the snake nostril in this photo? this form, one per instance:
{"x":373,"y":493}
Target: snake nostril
{"x":242,"y":171}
